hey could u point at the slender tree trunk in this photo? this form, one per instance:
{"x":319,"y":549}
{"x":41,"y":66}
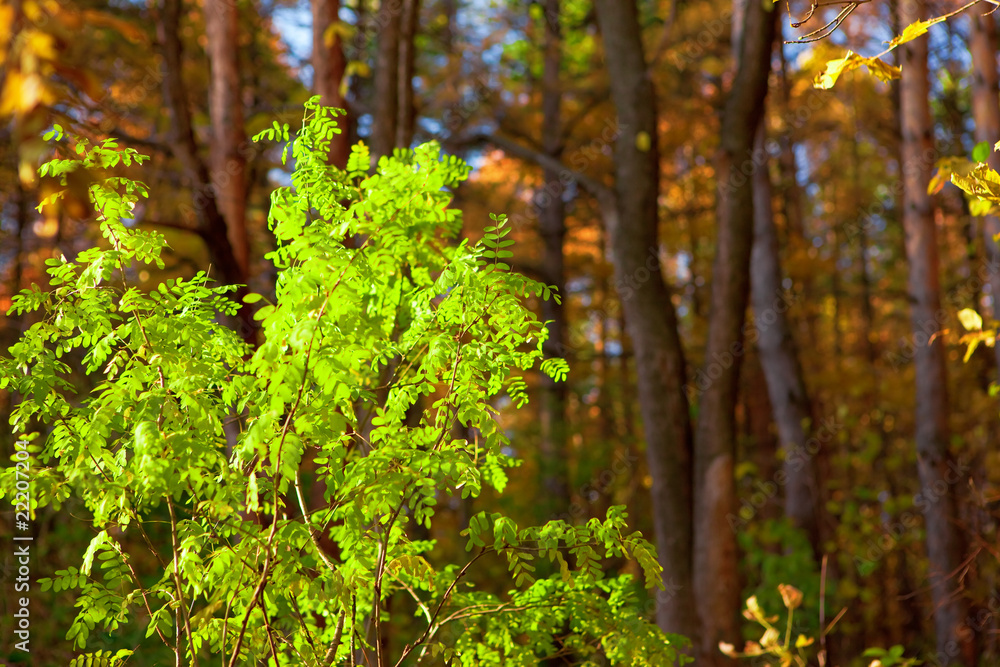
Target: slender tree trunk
{"x":210,"y":224}
{"x":329,"y":65}
{"x":389,"y":22}
{"x":449,"y":8}
{"x":986,"y":113}
{"x":764,"y":449}
{"x":649,"y":313}
{"x":780,"y":359}
{"x":790,"y":196}
{"x":552,"y":223}
{"x":717,"y":591}
{"x":406,"y":115}
{"x":944,"y":541}
{"x":225,"y":105}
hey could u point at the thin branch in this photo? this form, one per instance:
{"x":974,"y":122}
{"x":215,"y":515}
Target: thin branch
{"x":180,"y":590}
{"x":331,"y":653}
{"x":437,"y":612}
{"x":511,"y":147}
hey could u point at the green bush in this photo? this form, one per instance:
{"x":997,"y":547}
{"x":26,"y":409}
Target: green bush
{"x":377,"y":313}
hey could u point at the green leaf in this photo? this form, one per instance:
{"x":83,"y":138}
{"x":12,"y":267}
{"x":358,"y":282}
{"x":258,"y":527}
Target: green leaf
{"x":981,"y":152}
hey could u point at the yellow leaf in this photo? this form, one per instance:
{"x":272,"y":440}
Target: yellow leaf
{"x":358,"y":68}
{"x":337,"y":29}
{"x":980,"y":207}
{"x":940,"y":177}
{"x":643,"y":142}
{"x":9,"y":96}
{"x":981,"y":182}
{"x":970,"y":319}
{"x":834,"y":68}
{"x":6,"y":26}
{"x":41,"y":44}
{"x":882,"y":70}
{"x":914,"y":30}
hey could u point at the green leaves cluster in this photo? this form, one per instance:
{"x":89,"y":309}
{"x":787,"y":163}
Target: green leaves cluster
{"x":281,"y":480}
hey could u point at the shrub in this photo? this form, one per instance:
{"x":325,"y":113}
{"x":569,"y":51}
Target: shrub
{"x":377,"y":316}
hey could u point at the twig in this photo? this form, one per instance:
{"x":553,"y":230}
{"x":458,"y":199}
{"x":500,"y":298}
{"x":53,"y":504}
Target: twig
{"x":822,"y":613}
{"x":180,"y":590}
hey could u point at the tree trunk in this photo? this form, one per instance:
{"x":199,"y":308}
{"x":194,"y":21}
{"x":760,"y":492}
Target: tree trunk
{"x":986,"y":113}
{"x":717,"y":589}
{"x":389,"y":22}
{"x":406,"y":114}
{"x":779,"y":358}
{"x":225,"y":105}
{"x":210,"y":224}
{"x":552,"y":224}
{"x":944,"y":541}
{"x":763,"y":451}
{"x":329,"y":65}
{"x":649,"y":312}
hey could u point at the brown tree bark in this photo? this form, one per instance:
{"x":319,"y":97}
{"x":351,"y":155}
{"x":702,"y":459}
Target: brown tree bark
{"x":406,"y":114}
{"x":986,"y":114}
{"x":717,"y":590}
{"x":225,"y":106}
{"x":552,"y":225}
{"x":934,"y":460}
{"x":209,"y":222}
{"x":384,"y":117}
{"x":329,"y":65}
{"x":763,"y":451}
{"x":649,"y":312}
{"x":779,"y":358}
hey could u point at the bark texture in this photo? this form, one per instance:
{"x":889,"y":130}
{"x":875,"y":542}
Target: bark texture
{"x":986,"y":114}
{"x":225,"y":106}
{"x":389,"y":21}
{"x":717,"y":586}
{"x":406,"y":114}
{"x":649,"y":312}
{"x":779,"y":358}
{"x":552,"y":224}
{"x":934,"y":462}
{"x":209,"y":222}
{"x":329,"y":65}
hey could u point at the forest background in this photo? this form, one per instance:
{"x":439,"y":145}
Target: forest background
{"x":762,"y":272}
